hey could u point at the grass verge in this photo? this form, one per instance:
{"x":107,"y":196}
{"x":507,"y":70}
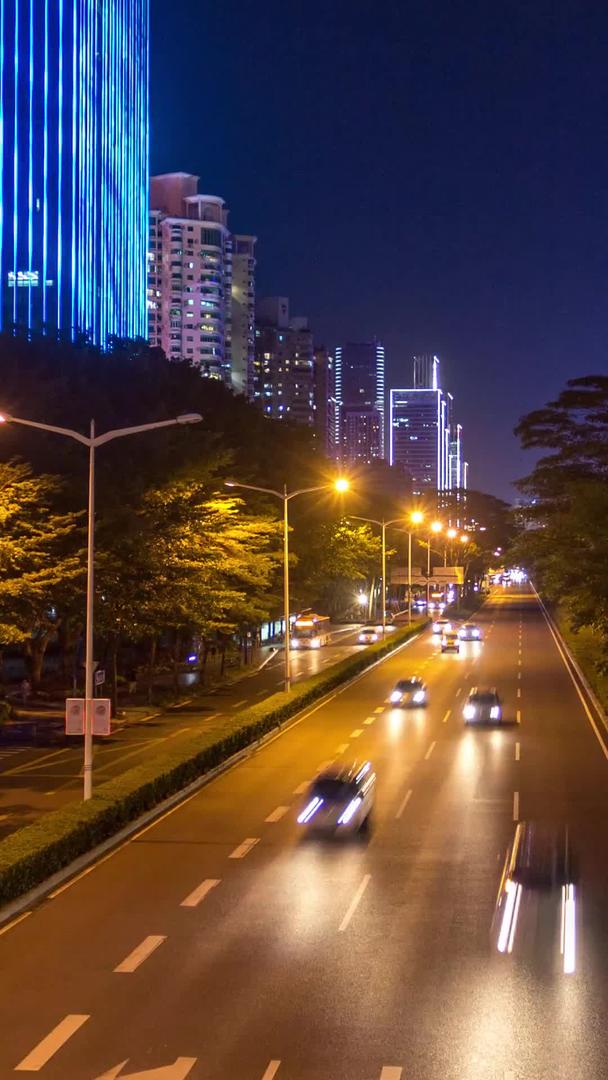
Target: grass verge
{"x":588,"y":651}
{"x":34,"y":853}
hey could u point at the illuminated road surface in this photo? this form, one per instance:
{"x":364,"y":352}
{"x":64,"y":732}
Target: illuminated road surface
{"x":220,"y":946}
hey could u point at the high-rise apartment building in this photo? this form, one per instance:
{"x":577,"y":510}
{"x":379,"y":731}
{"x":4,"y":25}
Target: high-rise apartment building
{"x":190,"y":275}
{"x":283,"y":383}
{"x":325,"y":399}
{"x":425,"y":440}
{"x":359,"y":384}
{"x":74,"y":168}
{"x":243,"y":313}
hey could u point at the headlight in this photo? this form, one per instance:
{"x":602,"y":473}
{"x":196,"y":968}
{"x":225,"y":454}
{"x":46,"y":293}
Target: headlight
{"x":396,"y":696}
{"x":295,"y":644}
{"x":462,"y":633}
{"x":494,"y":712}
{"x":351,"y":809}
{"x":448,"y":627}
{"x":310,"y":810}
{"x":436,"y":628}
{"x":468,"y":712}
{"x":315,"y":643}
{"x":475,"y":633}
{"x":419,"y":696}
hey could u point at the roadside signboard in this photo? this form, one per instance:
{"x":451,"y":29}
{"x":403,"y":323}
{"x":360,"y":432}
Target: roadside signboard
{"x":102,"y":710}
{"x":74,"y":716}
{"x":100,"y":677}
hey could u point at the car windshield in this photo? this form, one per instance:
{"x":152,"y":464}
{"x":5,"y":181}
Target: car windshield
{"x":484,"y":699}
{"x":369,"y":630}
{"x":332,"y":789}
{"x":408,"y":684}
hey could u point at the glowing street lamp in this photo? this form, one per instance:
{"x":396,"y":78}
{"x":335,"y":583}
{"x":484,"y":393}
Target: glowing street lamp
{"x":341,"y":484}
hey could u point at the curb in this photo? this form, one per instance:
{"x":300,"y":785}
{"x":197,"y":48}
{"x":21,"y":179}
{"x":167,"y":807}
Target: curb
{"x":18,"y":909}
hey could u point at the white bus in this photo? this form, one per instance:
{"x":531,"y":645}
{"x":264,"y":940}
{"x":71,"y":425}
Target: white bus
{"x":310,"y":631}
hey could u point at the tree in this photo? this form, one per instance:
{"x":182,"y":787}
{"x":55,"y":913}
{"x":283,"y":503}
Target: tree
{"x":41,"y":564}
{"x":565,"y":544}
{"x":339,"y":557}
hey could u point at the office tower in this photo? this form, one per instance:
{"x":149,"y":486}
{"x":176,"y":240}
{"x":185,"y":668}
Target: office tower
{"x":190,"y":275}
{"x":325,"y":400}
{"x":426,"y":371}
{"x":283,"y":383}
{"x":359,"y":381}
{"x":243,"y":313}
{"x":456,"y":465}
{"x":74,"y":168}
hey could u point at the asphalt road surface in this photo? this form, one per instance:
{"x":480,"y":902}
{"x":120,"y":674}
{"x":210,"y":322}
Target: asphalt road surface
{"x":220,"y":945}
{"x":34,"y":779}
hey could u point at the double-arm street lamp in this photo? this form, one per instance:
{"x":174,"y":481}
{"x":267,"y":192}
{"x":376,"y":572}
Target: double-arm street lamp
{"x":340,"y":485}
{"x":92,"y":441}
{"x":415,"y":517}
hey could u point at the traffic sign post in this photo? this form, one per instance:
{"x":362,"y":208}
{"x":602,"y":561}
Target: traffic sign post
{"x":100,"y":677}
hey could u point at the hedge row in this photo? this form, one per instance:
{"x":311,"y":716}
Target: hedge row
{"x":34,"y":853}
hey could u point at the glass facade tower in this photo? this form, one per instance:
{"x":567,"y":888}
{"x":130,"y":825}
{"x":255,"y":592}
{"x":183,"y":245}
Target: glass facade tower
{"x":74,"y":167}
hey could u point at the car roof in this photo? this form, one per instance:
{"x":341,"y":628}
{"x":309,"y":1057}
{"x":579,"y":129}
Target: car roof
{"x":348,"y":773}
{"x":476,"y":691}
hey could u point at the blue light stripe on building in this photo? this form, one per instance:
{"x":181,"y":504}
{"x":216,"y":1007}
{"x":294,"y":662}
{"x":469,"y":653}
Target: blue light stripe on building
{"x":16,"y":167}
{"x":45,"y":165}
{"x":2,"y":17}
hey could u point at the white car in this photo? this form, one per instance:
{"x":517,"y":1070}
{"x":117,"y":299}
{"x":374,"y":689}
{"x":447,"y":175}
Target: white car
{"x":368,"y":635}
{"x":442,"y":626}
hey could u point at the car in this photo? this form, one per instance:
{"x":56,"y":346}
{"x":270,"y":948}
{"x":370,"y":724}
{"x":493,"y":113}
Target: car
{"x":450,"y":642}
{"x":340,"y":800}
{"x":482,"y":706}
{"x":440,"y":626}
{"x":469,"y":632}
{"x":368,"y":634}
{"x":538,"y":890}
{"x":409,"y":692}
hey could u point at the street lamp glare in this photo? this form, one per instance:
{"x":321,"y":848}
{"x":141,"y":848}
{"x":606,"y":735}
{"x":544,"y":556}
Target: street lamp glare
{"x":416,"y":517}
{"x":341,"y":484}
{"x":451,"y":533}
{"x":464,"y":539}
{"x":436,"y":526}
{"x":3,"y":419}
{"x":189,"y":418}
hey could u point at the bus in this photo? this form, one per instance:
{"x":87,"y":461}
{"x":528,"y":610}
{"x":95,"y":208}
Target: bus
{"x":310,"y":631}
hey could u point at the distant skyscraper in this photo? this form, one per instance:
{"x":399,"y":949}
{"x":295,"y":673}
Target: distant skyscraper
{"x":325,"y":400}
{"x":359,"y":382}
{"x":424,"y":437}
{"x":283,"y":382}
{"x":74,"y":167}
{"x":243,"y":313}
{"x":190,"y":275}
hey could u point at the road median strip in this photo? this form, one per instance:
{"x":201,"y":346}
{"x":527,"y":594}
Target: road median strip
{"x":48,"y":846}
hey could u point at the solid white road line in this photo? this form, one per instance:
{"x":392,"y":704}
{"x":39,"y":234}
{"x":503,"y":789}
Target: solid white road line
{"x":356,"y":900}
{"x":369,"y":720}
{"x":447,"y":716}
{"x":404,"y":803}
{"x":430,"y":750}
{"x":243,"y":849}
{"x":194,"y":898}
{"x":301,"y":788}
{"x":379,"y":710}
{"x":277,"y":814}
{"x":271,"y":1070}
{"x":139,"y":954}
{"x":391,"y":1072}
{"x":53,"y":1042}
{"x":356,"y":733}
{"x":517,"y":751}
{"x":516,"y":806}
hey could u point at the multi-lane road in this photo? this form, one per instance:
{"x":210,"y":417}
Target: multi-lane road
{"x":34,"y":779}
{"x":220,"y":944}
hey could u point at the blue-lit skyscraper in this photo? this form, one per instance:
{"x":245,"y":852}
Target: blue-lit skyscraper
{"x":74,"y":167}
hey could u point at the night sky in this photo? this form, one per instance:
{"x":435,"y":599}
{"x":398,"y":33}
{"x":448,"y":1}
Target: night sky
{"x":435,"y":173}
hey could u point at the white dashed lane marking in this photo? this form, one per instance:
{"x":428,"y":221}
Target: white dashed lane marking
{"x":404,"y":803}
{"x":194,"y":898}
{"x":38,"y":1057}
{"x":136,"y":958}
{"x":243,"y":849}
{"x":277,"y":814}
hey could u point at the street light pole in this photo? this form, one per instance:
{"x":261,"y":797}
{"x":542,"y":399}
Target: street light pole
{"x":285,"y":496}
{"x":286,"y":588}
{"x":92,"y":441}
{"x":409,"y":578}
{"x":384,"y":592}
